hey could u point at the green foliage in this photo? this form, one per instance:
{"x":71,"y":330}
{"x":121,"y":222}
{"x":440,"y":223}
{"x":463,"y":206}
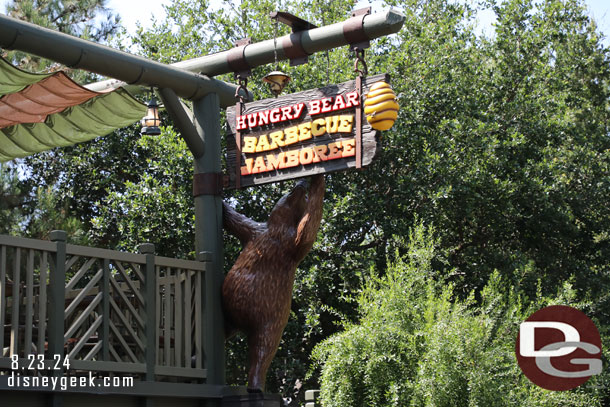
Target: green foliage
{"x":50,"y":214}
{"x":416,"y":345}
{"x":88,"y":19}
{"x":12,"y":200}
{"x":138,"y":189}
{"x":156,"y":205}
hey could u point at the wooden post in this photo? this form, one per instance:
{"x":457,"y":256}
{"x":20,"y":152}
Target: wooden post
{"x":2,"y":293}
{"x":14,"y":348}
{"x":105,"y":337}
{"x":57,"y":284}
{"x":150,"y":297}
{"x":57,"y":298}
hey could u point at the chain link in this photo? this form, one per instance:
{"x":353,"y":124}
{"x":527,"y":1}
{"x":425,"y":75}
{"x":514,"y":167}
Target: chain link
{"x":360,"y":61}
{"x":243,"y":85}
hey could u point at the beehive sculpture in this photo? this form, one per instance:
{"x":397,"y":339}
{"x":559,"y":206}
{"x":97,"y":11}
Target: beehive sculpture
{"x":380,"y":106}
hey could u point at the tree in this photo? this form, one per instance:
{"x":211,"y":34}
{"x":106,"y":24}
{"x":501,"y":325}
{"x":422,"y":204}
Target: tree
{"x":41,"y":206}
{"x":12,"y":199}
{"x":416,"y":345}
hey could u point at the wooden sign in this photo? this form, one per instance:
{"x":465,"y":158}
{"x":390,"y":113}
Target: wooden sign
{"x":299,"y":135}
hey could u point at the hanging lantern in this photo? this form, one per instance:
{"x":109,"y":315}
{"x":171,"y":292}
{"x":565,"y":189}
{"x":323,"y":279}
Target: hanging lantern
{"x":151,"y":122}
{"x":380,"y":106}
{"x":277,"y":80}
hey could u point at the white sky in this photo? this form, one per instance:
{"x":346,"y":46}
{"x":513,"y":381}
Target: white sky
{"x":132,"y":11}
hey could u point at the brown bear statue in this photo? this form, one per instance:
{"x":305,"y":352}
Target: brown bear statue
{"x":257,"y":291}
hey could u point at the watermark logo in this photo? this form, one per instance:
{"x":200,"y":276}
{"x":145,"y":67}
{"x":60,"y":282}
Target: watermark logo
{"x":559,"y":348}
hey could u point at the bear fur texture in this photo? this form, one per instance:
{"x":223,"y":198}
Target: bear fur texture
{"x":257,"y":291}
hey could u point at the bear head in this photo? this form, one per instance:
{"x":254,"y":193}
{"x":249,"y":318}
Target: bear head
{"x":289,"y":210}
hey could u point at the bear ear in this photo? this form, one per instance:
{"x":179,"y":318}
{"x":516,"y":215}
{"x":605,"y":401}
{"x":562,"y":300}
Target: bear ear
{"x":304,"y":183}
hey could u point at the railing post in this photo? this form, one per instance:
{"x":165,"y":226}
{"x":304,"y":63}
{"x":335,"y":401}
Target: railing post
{"x":105,"y":334}
{"x":57,"y":299}
{"x":150,"y":297}
{"x":57,"y":288}
{"x":213,"y":343}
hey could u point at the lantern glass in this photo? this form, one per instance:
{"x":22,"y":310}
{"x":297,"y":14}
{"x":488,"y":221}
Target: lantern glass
{"x":151,"y":122}
{"x":277,"y":80}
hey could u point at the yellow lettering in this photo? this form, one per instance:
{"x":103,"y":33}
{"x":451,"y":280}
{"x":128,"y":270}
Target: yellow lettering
{"x":277,"y":139}
{"x":304,"y":131}
{"x":345,"y":124}
{"x":291,"y":135}
{"x":249,"y":145}
{"x":332,"y":124}
{"x":318,"y":127}
{"x":263,"y":144}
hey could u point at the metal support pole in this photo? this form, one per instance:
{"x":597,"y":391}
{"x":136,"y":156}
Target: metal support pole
{"x":261,"y":53}
{"x":208,"y":233}
{"x":182,"y":118}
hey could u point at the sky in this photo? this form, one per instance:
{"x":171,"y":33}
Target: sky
{"x":132,"y":11}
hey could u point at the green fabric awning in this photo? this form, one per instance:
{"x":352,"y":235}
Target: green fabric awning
{"x":39,"y":112}
{"x":13,"y":79}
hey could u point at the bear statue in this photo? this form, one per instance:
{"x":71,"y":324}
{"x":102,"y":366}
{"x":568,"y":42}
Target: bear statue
{"x":257,"y":291}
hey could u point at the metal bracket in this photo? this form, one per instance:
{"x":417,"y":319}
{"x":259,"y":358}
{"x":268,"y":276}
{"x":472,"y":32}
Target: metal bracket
{"x":208,"y":183}
{"x":297,"y":24}
{"x":82,"y":55}
{"x":293,"y":44}
{"x":353,"y":30}
{"x":236,"y":59}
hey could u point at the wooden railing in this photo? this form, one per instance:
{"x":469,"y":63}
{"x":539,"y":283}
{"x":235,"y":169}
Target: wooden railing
{"x":109,"y":312}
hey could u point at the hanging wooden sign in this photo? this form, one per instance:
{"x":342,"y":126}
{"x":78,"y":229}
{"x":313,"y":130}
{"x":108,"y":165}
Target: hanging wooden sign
{"x":300,"y":134}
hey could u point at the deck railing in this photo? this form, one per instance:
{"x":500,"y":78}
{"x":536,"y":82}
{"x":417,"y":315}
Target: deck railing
{"x":109,"y":312}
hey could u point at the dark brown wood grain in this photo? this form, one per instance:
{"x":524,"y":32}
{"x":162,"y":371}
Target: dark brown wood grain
{"x":369,"y":136}
{"x":257,"y":291}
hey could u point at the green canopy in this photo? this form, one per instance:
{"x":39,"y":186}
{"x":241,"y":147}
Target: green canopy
{"x":41,"y":111}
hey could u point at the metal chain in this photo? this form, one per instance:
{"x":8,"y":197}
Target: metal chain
{"x":362,"y":72}
{"x":275,"y":41}
{"x":243,"y":85}
{"x":239,"y":109}
{"x":360,"y":61}
{"x":327,"y":54}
